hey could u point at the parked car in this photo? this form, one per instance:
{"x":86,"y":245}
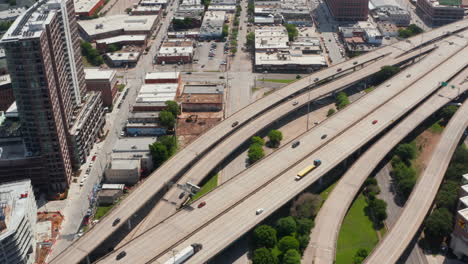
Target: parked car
{"x":200,"y":205}
{"x":94,"y":158}
{"x":116,"y":221}
{"x":122,"y":134}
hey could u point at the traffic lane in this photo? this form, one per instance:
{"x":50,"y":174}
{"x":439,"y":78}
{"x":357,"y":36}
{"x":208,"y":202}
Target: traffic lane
{"x":267,"y":198}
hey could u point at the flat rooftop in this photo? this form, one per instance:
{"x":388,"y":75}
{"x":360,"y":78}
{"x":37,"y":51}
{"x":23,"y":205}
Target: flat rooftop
{"x":122,"y":38}
{"x":85,"y":6}
{"x":464,"y":213}
{"x":5,"y":79}
{"x":124,"y":56}
{"x":125,"y":164}
{"x":11,"y":13}
{"x":99,"y":74}
{"x":162,"y":75}
{"x":275,"y":37}
{"x":31,"y":24}
{"x":147,"y":8}
{"x":133,"y":144}
{"x":262,"y":58}
{"x":15,"y":207}
{"x":158,"y":88}
{"x":115,"y":23}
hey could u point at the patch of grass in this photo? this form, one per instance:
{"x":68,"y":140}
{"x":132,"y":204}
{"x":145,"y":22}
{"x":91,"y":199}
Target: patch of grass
{"x":324,"y":194}
{"x":356,"y":232}
{"x":120,"y":87}
{"x":208,"y":186}
{"x":86,"y":62}
{"x":101,"y":211}
{"x":436,"y":128}
{"x":278,"y":80}
{"x":370,"y":89}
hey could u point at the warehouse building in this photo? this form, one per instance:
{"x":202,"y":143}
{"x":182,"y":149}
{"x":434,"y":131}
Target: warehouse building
{"x":212,"y":26}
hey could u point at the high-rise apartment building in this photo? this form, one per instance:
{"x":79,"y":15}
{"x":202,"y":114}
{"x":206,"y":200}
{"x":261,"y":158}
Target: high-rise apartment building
{"x":349,"y":10}
{"x":440,"y":12}
{"x":42,"y":49}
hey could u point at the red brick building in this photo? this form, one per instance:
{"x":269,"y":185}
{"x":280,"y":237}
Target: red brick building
{"x":104,"y":81}
{"x":87,"y":8}
{"x":6,"y":92}
{"x":349,"y":10}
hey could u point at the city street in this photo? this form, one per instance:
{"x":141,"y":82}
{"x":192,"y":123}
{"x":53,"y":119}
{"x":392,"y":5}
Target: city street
{"x":77,"y":203}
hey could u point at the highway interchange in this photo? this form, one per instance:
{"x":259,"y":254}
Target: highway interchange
{"x":258,"y":187}
{"x":184,"y":159}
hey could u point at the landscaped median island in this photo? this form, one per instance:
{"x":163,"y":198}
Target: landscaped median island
{"x":208,"y":186}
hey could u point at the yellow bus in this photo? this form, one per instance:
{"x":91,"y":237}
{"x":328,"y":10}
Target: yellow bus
{"x":304,"y":172}
{"x":308,"y":169}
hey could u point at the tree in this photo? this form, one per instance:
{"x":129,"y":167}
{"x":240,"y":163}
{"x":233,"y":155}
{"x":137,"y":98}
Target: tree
{"x":167,"y":119}
{"x":170,"y":142}
{"x":5,"y":25}
{"x":377,"y":210}
{"x":385,"y":73}
{"x":304,"y":225}
{"x":292,"y":257}
{"x":263,"y":256}
{"x":439,"y":224}
{"x":225,"y":30}
{"x":173,"y":107}
{"x":292,"y":31}
{"x":159,"y":153}
{"x":406,"y":152}
{"x":128,"y":10}
{"x":85,"y":48}
{"x":250,"y":40}
{"x":113,"y":48}
{"x":275,"y":137}
{"x":370,"y":181}
{"x":306,"y":205}
{"x":288,"y":242}
{"x":342,"y":100}
{"x":264,"y":236}
{"x":447,"y":196}
{"x":258,"y":140}
{"x":303,"y":241}
{"x":360,"y":255}
{"x":405,"y":187}
{"x":448,"y":111}
{"x":330,"y":112}
{"x":255,"y":153}
{"x":286,"y":226}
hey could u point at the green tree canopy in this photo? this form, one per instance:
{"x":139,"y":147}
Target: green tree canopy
{"x":292,"y":257}
{"x":167,"y":119}
{"x":159,"y":153}
{"x":170,"y":142}
{"x":330,"y":112}
{"x":377,"y":210}
{"x":448,"y":111}
{"x":286,"y":226}
{"x":263,"y":256}
{"x":258,"y":140}
{"x":306,"y":205}
{"x":275,"y":137}
{"x":304,"y":225}
{"x":406,"y":152}
{"x":173,"y":107}
{"x":250,"y":40}
{"x":255,"y":153}
{"x":342,"y":100}
{"x":264,"y":236}
{"x":439,"y":224}
{"x":360,"y":255}
{"x":385,"y":73}
{"x":292,"y":31}
{"x":447,"y":196}
{"x":288,"y":242}
{"x":303,"y":241}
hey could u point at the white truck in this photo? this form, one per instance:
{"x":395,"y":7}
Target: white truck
{"x":184,"y":254}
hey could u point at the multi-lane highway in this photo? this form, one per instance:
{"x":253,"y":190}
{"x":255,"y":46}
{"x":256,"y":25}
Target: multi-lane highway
{"x":171,"y":201}
{"x":422,"y":197}
{"x":322,"y":245}
{"x":186,"y":157}
{"x":219,"y":222}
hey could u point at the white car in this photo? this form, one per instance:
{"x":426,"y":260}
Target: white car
{"x":122,"y":134}
{"x":259,"y":211}
{"x":82,"y":182}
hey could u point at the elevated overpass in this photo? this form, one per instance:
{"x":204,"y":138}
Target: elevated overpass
{"x":420,"y":201}
{"x":324,"y":236}
{"x":177,"y":165}
{"x":230,"y":208}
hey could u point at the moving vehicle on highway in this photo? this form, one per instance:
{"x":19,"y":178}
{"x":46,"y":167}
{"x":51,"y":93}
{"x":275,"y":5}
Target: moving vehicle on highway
{"x":295,"y":144}
{"x":200,"y":205}
{"x":184,"y":254}
{"x":116,"y":221}
{"x":259,"y":211}
{"x":308,"y":169}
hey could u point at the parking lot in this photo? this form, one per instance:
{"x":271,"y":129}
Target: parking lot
{"x":211,"y":56}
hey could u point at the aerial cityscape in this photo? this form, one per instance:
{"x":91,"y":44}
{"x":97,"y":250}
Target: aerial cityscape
{"x":234,"y":131}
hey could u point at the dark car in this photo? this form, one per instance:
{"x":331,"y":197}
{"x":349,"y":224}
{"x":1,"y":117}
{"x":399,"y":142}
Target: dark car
{"x":121,"y":255}
{"x":354,"y":63}
{"x":181,"y":195}
{"x":235,"y":124}
{"x":200,"y":205}
{"x":375,"y":122}
{"x":324,"y":136}
{"x":295,"y":144}
{"x":316,"y":79}
{"x":338,"y":70}
{"x":116,"y":221}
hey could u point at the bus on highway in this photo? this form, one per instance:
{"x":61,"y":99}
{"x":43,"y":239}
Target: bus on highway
{"x":308,"y":169}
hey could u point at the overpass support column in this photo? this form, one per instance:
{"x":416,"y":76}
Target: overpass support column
{"x":87,"y":260}
{"x":129,"y":224}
